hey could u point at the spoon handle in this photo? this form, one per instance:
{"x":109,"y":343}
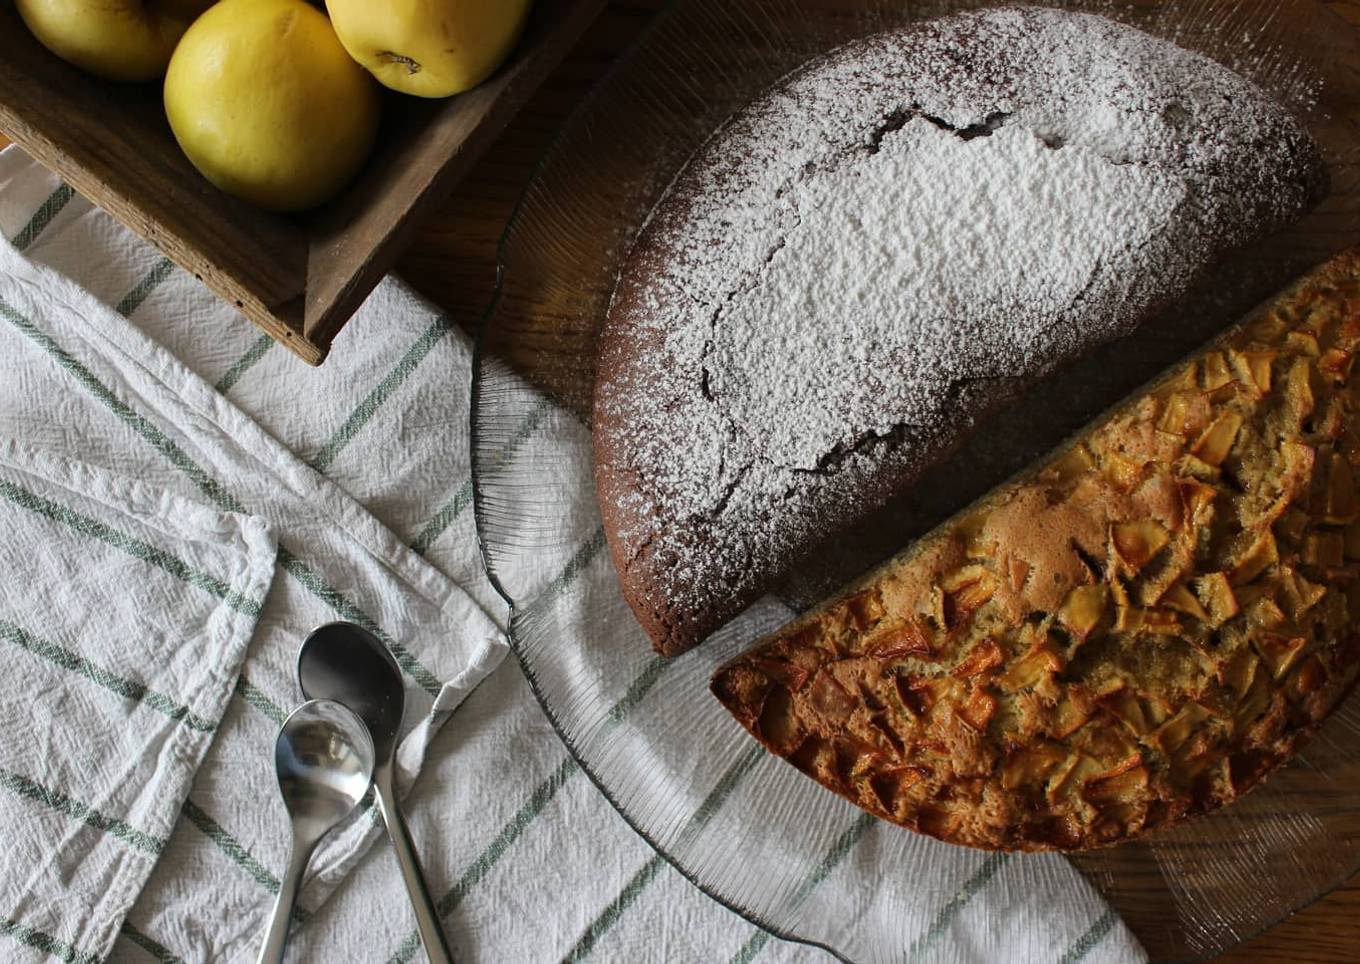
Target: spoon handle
{"x":276,"y":937}
{"x":427,"y":917}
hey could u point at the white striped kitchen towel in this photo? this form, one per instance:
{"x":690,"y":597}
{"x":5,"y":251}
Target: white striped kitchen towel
{"x":125,"y":612}
{"x":527,"y":860}
{"x":82,"y":383}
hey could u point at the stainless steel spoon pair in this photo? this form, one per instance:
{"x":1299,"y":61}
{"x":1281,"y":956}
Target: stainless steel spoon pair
{"x":328,"y":752}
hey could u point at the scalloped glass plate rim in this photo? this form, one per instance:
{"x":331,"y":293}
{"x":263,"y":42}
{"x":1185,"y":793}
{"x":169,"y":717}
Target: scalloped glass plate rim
{"x":479,"y":345}
{"x":598,"y":90}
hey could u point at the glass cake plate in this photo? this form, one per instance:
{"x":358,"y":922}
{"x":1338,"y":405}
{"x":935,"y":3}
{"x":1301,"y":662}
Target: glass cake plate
{"x":748,"y":829}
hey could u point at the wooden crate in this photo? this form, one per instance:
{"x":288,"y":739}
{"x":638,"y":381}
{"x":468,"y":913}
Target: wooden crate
{"x":299,"y":277}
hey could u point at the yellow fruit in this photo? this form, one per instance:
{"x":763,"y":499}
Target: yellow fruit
{"x":430,"y":48}
{"x":267,"y":104}
{"x":127,"y":40}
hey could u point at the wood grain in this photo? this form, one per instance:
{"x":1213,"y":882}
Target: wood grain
{"x":354,"y":241}
{"x":111,"y":143}
{"x":300,"y":277}
{"x":453,"y":262}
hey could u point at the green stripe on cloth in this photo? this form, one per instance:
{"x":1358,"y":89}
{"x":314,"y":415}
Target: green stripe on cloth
{"x":638,"y":689}
{"x":614,"y":910}
{"x":122,"y":686}
{"x":346,"y":609}
{"x":161,"y":953}
{"x":178,"y":458}
{"x":1087,"y":942}
{"x":44,"y":216}
{"x":753,"y":946}
{"x":444,"y":517}
{"x":449,"y":512}
{"x":633,"y":889}
{"x":161,"y":442}
{"x":575,"y":565}
{"x":257,"y":350}
{"x":842,"y":846}
{"x":838,"y":851}
{"x":256,"y":697}
{"x":230,"y":846}
{"x":138,"y":549}
{"x":143,"y":288}
{"x":488,"y":858}
{"x":727,"y":783}
{"x":37,"y":940}
{"x":366,"y":409}
{"x":979,"y":879}
{"x":67,"y":806}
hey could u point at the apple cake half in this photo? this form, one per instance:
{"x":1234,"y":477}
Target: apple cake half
{"x":1136,"y":631}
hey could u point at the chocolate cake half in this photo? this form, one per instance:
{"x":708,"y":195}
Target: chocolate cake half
{"x":882,"y":250}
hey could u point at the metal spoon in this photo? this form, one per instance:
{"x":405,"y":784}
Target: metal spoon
{"x":348,"y":664}
{"x":324,"y":757}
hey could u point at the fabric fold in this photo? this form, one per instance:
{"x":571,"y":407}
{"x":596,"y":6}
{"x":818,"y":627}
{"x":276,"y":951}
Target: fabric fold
{"x":526,"y":859}
{"x":124,"y":621}
{"x":85,"y":381}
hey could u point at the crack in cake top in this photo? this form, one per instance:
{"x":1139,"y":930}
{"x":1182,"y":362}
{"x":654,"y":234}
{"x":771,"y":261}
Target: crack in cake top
{"x":945,"y":211}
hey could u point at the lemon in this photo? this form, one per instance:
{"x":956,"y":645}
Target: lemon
{"x":430,"y":48}
{"x":128,"y":40}
{"x":267,"y":105}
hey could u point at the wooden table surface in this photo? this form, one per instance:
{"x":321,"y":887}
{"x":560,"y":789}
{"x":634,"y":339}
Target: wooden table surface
{"x":453,"y":263}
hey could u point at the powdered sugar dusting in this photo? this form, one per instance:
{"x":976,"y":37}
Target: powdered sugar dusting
{"x":885,"y":247}
{"x":986,"y":280}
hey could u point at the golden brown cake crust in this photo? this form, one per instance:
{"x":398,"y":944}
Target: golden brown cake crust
{"x":1136,"y":631}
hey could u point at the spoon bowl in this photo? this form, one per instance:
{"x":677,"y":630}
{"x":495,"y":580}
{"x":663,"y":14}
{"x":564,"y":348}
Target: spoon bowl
{"x":325,"y":759}
{"x":348,"y":664}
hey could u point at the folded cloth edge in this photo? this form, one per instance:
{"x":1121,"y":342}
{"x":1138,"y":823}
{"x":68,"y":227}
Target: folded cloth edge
{"x":133,"y":499}
{"x":139,"y":352}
